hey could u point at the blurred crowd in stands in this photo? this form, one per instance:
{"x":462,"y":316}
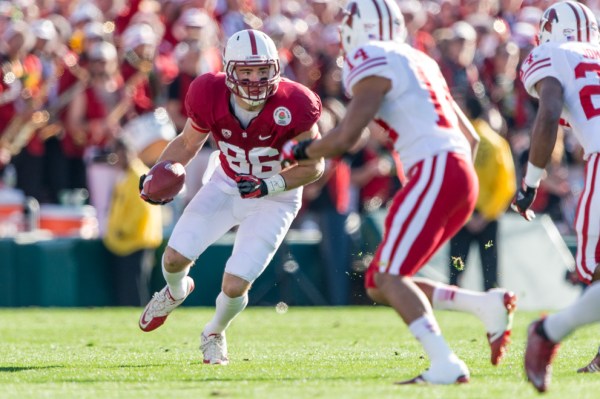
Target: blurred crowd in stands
{"x":77,"y":74}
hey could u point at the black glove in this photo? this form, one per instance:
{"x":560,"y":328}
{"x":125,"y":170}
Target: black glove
{"x":293,"y":151}
{"x":145,"y":197}
{"x":523,"y":201}
{"x":251,"y":186}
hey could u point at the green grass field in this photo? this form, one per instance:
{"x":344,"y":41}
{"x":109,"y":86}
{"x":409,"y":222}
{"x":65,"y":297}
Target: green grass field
{"x":354,"y":352}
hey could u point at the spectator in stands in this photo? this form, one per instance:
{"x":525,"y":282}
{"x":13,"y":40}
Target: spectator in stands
{"x":237,"y":15}
{"x":496,"y":174}
{"x":14,"y":45}
{"x":283,"y":32}
{"x":134,"y":229}
{"x":93,"y":119}
{"x":64,"y":156}
{"x":415,"y":17}
{"x":456,"y":64}
{"x":139,"y":44}
{"x":26,"y":68}
{"x":83,"y":13}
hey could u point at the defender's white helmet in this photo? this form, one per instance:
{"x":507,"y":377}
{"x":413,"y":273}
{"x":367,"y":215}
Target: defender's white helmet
{"x":367,"y":20}
{"x":568,"y":21}
{"x":251,"y":48}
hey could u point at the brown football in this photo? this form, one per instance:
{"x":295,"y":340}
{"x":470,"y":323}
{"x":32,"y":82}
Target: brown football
{"x":164,"y":181}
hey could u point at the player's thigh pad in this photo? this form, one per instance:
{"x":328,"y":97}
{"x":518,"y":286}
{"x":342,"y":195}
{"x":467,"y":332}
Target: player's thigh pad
{"x":207,"y":217}
{"x":259,"y":235}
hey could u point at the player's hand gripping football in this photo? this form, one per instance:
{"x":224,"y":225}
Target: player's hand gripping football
{"x":251,"y":187}
{"x":162,"y":183}
{"x":145,"y":197}
{"x":293,"y":151}
{"x":523,"y":201}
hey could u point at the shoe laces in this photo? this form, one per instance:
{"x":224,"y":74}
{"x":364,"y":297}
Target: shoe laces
{"x":214,"y":346}
{"x":161,"y":302}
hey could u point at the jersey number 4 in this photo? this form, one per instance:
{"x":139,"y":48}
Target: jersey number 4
{"x":586,"y":92}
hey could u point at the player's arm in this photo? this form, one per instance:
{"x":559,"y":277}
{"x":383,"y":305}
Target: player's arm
{"x":368,"y":94}
{"x":297,"y":175}
{"x":545,"y":126}
{"x":181,"y":149}
{"x":467,"y":129}
{"x":304,"y":172}
{"x":186,"y":145}
{"x":543,"y":139}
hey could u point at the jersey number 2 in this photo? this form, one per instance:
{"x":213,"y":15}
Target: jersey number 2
{"x":586,"y":92}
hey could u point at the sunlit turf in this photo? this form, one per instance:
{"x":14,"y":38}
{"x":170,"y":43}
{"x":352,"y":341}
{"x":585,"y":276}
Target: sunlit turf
{"x":354,"y":352}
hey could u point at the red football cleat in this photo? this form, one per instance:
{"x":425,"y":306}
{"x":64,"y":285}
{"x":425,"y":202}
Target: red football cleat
{"x":501,"y":339}
{"x":539,"y":354}
{"x":160,"y":306}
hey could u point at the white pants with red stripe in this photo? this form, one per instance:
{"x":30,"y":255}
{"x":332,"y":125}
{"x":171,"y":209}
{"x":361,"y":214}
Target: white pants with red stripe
{"x":436,"y":202}
{"x":587,"y":221}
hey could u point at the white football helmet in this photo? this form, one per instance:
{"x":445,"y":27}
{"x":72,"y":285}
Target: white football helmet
{"x":568,"y":21}
{"x":367,"y":20}
{"x":251,"y":48}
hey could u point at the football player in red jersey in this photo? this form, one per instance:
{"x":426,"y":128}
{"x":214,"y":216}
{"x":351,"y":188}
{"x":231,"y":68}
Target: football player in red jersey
{"x":250,"y":111}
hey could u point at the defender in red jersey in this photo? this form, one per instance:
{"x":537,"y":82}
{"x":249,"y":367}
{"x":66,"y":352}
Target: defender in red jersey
{"x":250,"y":111}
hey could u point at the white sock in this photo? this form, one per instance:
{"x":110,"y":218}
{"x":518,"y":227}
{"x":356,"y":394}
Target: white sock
{"x":584,"y":310}
{"x":226,"y":310}
{"x":449,"y":297}
{"x":176,"y":281}
{"x":427,"y":331}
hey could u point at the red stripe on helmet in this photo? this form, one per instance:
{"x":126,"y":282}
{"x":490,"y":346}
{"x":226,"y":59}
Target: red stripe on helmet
{"x":390,"y":21}
{"x":253,"y":42}
{"x":587,"y":22}
{"x":380,"y":19}
{"x":578,"y":21}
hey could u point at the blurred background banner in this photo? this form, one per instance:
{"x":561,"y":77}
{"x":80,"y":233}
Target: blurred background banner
{"x":533,"y":262}
{"x":75,"y":272}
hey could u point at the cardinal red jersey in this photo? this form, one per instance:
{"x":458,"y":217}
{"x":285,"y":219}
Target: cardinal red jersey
{"x":254,"y":150}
